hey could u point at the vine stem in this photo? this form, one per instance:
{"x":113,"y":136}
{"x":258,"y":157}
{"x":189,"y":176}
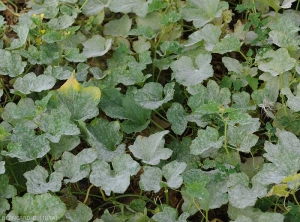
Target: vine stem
{"x":225,"y":142}
{"x":87,"y":193}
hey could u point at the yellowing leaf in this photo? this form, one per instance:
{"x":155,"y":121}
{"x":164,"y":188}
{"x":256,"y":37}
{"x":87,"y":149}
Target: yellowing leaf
{"x":71,"y":83}
{"x":291,"y":178}
{"x":81,"y":101}
{"x":279,"y":190}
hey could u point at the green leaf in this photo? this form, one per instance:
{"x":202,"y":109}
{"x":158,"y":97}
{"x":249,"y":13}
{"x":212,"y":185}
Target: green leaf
{"x":81,"y":213}
{"x":37,"y":184}
{"x":229,"y":43}
{"x":37,"y":207}
{"x":187,"y":74}
{"x":201,"y":11}
{"x":32,"y":83}
{"x":118,"y":27}
{"x":96,"y":46}
{"x":73,"y":55}
{"x":76,"y":167}
{"x":172,"y":171}
{"x":169,"y":18}
{"x":107,"y":133}
{"x":144,"y":31}
{"x":207,"y":140}
{"x":170,"y":214}
{"x":11,"y":63}
{"x":272,"y":3}
{"x":151,"y":149}
{"x":116,"y":105}
{"x":66,"y":143}
{"x":46,"y":53}
{"x":116,"y":180}
{"x":178,"y":117}
{"x":81,"y":101}
{"x":275,"y":62}
{"x":156,"y":5}
{"x":139,"y":7}
{"x":6,"y":190}
{"x":151,"y":179}
{"x":150,"y":96}
{"x":25,"y":145}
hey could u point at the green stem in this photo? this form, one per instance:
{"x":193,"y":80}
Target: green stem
{"x":160,"y":127}
{"x":167,"y":195}
{"x":86,"y":1}
{"x":225,"y":141}
{"x":282,"y":96}
{"x":297,"y":5}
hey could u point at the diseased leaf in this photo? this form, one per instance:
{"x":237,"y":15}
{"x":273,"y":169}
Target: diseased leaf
{"x":96,"y":46}
{"x":57,"y":123}
{"x":81,"y":213}
{"x":201,"y":11}
{"x":275,"y":62}
{"x":38,"y":206}
{"x":172,"y":171}
{"x":76,"y":167}
{"x":93,"y":7}
{"x":229,"y":43}
{"x":170,"y":214}
{"x":293,"y":102}
{"x":150,"y":179}
{"x":207,"y":139}
{"x":178,"y":117}
{"x":25,"y":145}
{"x":116,"y":180}
{"x":118,"y":27}
{"x":11,"y":63}
{"x":2,"y":167}
{"x":81,"y":101}
{"x":66,"y":143}
{"x":150,"y":96}
{"x":187,"y":74}
{"x":37,"y":184}
{"x":32,"y":83}
{"x":151,"y":149}
{"x":62,"y":22}
{"x":22,"y":30}
{"x":139,"y":7}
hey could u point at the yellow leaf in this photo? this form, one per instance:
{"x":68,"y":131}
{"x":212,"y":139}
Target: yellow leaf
{"x":72,"y":84}
{"x":291,"y":178}
{"x":279,"y":190}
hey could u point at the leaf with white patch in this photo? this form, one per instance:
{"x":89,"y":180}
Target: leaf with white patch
{"x":151,"y":149}
{"x":172,"y":171}
{"x":96,"y":46}
{"x":36,"y":181}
